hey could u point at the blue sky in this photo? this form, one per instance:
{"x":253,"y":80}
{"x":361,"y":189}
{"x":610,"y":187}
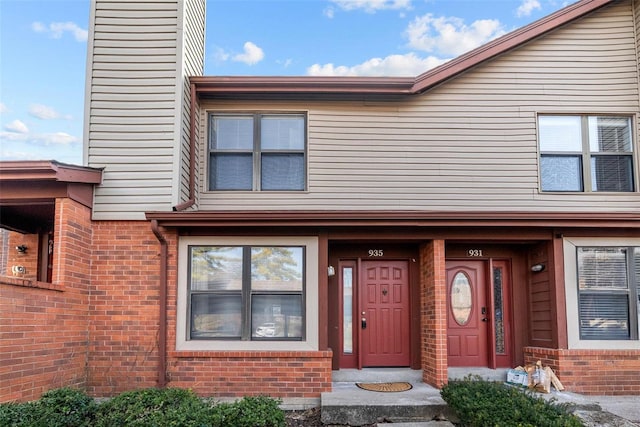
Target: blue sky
{"x":43,"y":47}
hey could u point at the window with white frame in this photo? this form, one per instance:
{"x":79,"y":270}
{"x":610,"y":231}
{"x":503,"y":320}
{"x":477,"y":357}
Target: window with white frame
{"x":257,"y":151}
{"x":586,"y":153}
{"x":246,"y":292}
{"x":608,"y":287}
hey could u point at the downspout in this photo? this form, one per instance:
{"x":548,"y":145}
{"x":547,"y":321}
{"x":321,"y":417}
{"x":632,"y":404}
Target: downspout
{"x":162,"y":338}
{"x":192,"y":153}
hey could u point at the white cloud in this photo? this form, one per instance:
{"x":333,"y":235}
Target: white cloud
{"x":220,"y":55}
{"x":450,"y":36}
{"x":329,"y":12}
{"x":46,"y":113}
{"x":408,"y":65}
{"x":61,"y":138}
{"x":17,"y":126}
{"x":371,"y":6}
{"x":57,"y":29}
{"x":252,"y":54}
{"x":285,"y":63}
{"x":3,"y":108}
{"x":527,"y":7}
{"x":38,"y":27}
{"x":56,"y":138}
{"x":12,"y":154}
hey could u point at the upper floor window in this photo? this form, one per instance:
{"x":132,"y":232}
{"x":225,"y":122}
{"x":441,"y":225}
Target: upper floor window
{"x":586,"y":153}
{"x":608,"y":281}
{"x":259,"y":152}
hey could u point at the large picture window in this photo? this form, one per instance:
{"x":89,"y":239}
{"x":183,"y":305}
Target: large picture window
{"x":586,"y":153}
{"x":608,"y":281}
{"x":246,"y":292}
{"x":259,"y":152}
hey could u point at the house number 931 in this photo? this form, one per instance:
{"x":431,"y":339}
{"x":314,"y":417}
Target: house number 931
{"x":376,"y":252}
{"x":474,"y":252}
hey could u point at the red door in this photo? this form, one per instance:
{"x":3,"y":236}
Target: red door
{"x":384,"y":309}
{"x":467,"y":314}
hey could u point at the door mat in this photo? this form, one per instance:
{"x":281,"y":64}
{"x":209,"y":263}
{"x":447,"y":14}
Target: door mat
{"x":385,"y":387}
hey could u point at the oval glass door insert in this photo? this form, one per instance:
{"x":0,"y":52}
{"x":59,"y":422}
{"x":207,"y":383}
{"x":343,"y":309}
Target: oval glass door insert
{"x":461,"y":299}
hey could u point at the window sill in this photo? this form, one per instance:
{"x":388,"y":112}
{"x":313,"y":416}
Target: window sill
{"x":244,"y":346}
{"x":321,"y":354}
{"x":28,"y":283}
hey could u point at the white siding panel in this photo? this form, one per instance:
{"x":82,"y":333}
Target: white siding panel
{"x":133,"y":67}
{"x":469,"y":144}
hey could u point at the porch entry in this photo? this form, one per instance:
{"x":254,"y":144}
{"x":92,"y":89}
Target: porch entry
{"x":375,"y":318}
{"x":478,"y":320}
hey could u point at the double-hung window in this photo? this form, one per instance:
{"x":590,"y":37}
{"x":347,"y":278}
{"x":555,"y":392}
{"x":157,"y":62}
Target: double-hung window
{"x":586,"y":153}
{"x":608,"y":285}
{"x":257,"y":152}
{"x":246,"y":293}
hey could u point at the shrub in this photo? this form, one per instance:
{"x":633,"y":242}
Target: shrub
{"x":259,"y":411}
{"x":481,"y":403}
{"x":16,"y":414}
{"x":63,"y":407}
{"x":154,"y":407}
{"x":151,"y":407}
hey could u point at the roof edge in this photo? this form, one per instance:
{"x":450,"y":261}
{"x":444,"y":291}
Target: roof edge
{"x":332,"y":85}
{"x":393,"y":218}
{"x":505,"y":43}
{"x":49,"y":170}
{"x":302,"y":84}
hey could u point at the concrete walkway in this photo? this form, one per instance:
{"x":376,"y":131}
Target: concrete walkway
{"x":347,"y":404}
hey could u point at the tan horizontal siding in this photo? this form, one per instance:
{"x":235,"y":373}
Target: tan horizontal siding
{"x":133,"y":105}
{"x":193,"y":65}
{"x":467,"y":145}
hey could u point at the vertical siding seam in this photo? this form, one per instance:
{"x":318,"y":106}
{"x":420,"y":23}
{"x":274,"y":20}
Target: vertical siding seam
{"x":88,"y":85}
{"x":635,"y":17}
{"x":178,"y":102}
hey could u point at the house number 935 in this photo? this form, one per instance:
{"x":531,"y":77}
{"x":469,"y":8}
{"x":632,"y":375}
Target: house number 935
{"x":376,"y":252}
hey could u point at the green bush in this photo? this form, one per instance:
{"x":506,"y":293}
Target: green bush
{"x":16,"y":414}
{"x":151,"y":407}
{"x":259,"y":411}
{"x":154,"y":407}
{"x":63,"y":407}
{"x":481,"y":403}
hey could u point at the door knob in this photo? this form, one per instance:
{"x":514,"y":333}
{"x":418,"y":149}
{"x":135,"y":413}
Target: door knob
{"x":363,"y":323}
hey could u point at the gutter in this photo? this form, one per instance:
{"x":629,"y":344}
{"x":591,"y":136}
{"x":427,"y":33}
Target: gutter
{"x":192,"y":153}
{"x":162,"y":333}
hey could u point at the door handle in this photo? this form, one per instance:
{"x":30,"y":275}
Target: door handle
{"x":363,"y":323}
{"x":484,"y":319}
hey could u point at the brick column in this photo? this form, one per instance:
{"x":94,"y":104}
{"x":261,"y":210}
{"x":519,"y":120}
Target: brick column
{"x":433,"y":315}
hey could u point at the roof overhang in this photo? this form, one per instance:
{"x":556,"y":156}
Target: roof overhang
{"x":411,"y":219}
{"x":29,"y":189}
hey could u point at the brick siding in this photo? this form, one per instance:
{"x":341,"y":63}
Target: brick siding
{"x":433,"y":318}
{"x":599,"y":372}
{"x":241,"y":373}
{"x":124,"y":306}
{"x":43,"y":335}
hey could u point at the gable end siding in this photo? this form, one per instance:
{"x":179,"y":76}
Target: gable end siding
{"x":469,"y":144}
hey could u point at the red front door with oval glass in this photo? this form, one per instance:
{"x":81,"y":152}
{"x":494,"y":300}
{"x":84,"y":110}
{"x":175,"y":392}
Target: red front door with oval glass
{"x":384,"y":320}
{"x":467,"y":325}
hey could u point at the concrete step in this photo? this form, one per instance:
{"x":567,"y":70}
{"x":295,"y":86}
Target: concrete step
{"x":347,"y":404}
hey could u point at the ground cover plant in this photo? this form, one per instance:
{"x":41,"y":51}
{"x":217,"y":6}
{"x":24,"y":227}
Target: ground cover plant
{"x":151,"y":407}
{"x":479,"y":403}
